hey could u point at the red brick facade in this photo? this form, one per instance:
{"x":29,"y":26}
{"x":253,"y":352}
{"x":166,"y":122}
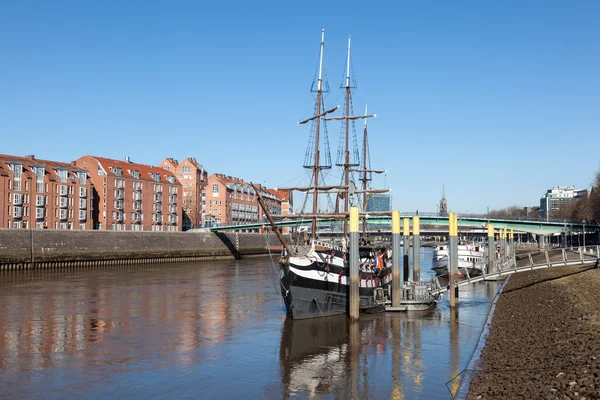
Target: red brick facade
{"x":232,"y":201}
{"x":134,"y":197}
{"x":44,"y":194}
{"x":193,"y":178}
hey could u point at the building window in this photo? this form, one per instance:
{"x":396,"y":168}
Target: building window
{"x":215,"y":188}
{"x":185,"y":168}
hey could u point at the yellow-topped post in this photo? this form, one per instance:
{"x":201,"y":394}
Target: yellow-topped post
{"x":504,"y":247}
{"x":396,"y":268}
{"x":354,"y":296}
{"x":491,"y":249}
{"x":416,"y":248}
{"x":406,"y":247}
{"x":453,"y":257}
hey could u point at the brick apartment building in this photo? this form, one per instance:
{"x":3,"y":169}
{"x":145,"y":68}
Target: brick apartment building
{"x":134,"y":197}
{"x":43,"y":194}
{"x":231,"y":201}
{"x":193,"y":178}
{"x":286,"y":200}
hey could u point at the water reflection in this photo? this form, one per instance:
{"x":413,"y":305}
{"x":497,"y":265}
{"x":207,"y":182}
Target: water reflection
{"x":380,"y":356}
{"x":216,"y":331}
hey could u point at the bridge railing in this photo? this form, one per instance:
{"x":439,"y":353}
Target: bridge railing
{"x":554,"y":257}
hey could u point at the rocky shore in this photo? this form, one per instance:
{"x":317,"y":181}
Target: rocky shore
{"x":544,"y":342}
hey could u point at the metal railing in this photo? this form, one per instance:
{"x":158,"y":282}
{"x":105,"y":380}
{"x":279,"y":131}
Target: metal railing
{"x":556,"y":257}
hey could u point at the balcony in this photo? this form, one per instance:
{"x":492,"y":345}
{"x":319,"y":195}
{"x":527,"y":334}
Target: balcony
{"x":159,"y":218}
{"x":64,"y":202}
{"x":137,"y":206}
{"x":158,"y":189}
{"x":82,"y":204}
{"x":64,"y":190}
{"x":82,"y":215}
{"x":119,"y":216}
{"x":119,"y":193}
{"x":137,"y":217}
{"x":82,"y":192}
{"x":64,"y":215}
{"x":18,"y":212}
{"x":173,"y":209}
{"x":137,"y":196}
{"x":40,"y":213}
{"x":120,"y":205}
{"x":173,"y":199}
{"x":17,"y":199}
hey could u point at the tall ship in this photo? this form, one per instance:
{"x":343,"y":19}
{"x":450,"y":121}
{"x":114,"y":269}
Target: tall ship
{"x":314,"y":275}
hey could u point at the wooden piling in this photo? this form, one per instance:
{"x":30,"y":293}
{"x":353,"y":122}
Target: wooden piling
{"x":354,"y":296}
{"x":491,"y":250}
{"x":416,"y":248}
{"x":396,"y":268}
{"x":453,"y":258}
{"x":406,"y":248}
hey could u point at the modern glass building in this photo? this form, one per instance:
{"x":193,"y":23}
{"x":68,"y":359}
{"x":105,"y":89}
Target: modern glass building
{"x":379,"y":202}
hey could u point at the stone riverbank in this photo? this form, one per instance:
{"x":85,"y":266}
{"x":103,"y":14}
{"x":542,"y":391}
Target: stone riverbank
{"x":544,"y":342}
{"x":42,"y":249}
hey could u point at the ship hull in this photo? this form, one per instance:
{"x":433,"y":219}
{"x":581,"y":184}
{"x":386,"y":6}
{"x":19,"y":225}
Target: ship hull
{"x":311,"y":291}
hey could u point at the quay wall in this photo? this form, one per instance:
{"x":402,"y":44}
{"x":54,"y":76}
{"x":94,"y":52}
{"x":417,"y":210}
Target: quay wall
{"x":24,"y":249}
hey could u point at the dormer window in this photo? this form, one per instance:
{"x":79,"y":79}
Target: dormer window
{"x":116,"y":170}
{"x":135,"y":173}
{"x":171,"y":179}
{"x":38,"y":170}
{"x":16,"y":168}
{"x":62,"y":173}
{"x":82,"y":177}
{"x":155,"y":176}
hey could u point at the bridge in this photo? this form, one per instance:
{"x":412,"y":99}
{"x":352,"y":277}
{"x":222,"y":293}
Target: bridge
{"x":553,"y":258}
{"x":469,"y":221}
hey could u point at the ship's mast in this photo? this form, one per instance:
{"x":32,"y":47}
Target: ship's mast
{"x":347,"y":149}
{"x":316,"y":169}
{"x":364,"y":225}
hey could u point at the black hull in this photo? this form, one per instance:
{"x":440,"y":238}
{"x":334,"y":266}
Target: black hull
{"x":311,"y":298}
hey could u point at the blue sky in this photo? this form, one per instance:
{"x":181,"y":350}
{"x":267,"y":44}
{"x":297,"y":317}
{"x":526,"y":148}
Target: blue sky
{"x":498,"y":101}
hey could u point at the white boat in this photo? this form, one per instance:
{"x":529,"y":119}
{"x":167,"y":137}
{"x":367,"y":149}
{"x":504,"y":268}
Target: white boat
{"x":471,"y":259}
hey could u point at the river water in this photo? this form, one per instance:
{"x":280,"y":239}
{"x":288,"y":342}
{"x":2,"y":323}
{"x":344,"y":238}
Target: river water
{"x":217,"y":330}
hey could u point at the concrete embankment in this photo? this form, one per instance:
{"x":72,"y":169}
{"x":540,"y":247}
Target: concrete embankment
{"x":544,"y":342}
{"x":40,"y":249}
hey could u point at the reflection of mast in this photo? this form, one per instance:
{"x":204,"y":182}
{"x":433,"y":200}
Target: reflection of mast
{"x":418,"y":370}
{"x":354,"y":354}
{"x":397,"y":389}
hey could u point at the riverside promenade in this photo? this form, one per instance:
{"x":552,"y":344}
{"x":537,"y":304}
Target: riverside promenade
{"x":544,"y":341}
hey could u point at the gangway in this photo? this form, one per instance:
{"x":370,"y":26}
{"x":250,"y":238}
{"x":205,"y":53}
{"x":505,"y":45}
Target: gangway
{"x":556,"y":257}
